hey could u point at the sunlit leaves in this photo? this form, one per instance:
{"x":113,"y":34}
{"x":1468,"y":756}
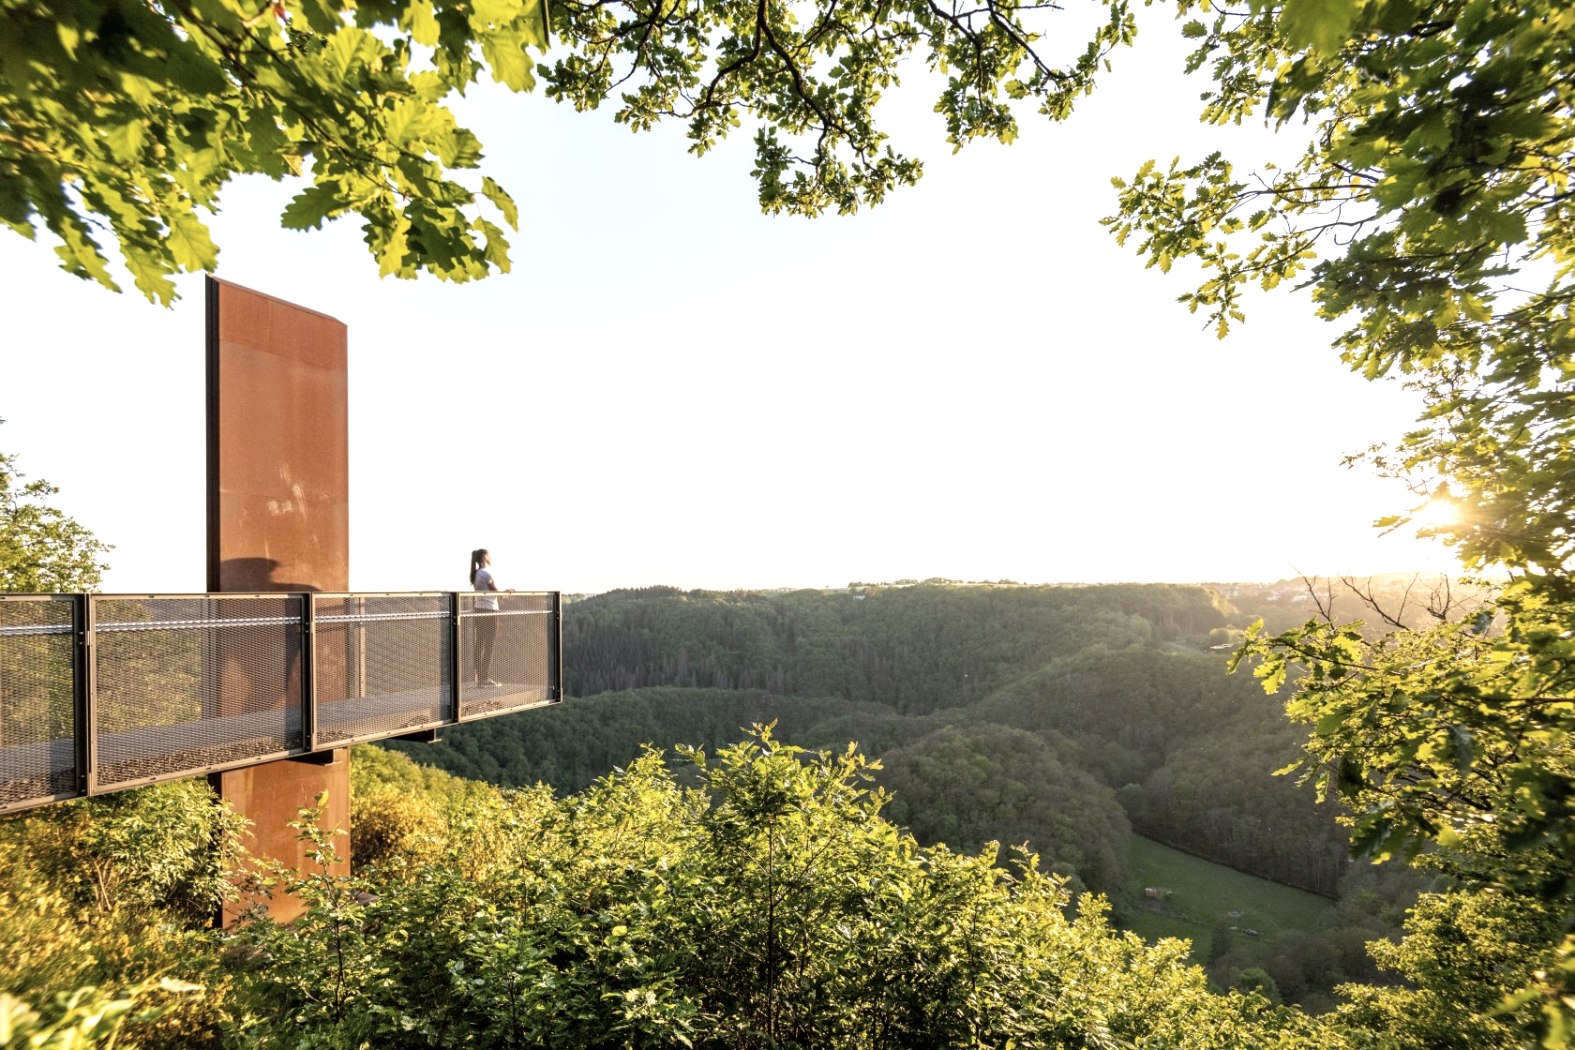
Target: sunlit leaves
{"x":1462,"y":954}
{"x":502,"y":201}
{"x":310,"y":208}
{"x":190,"y":245}
{"x":1431,"y":214}
{"x":810,"y":75}
{"x":1455,"y":743}
{"x":129,"y":115}
{"x":1437,"y":167}
{"x":129,"y":119}
{"x":1319,"y":25}
{"x":510,"y":63}
{"x":84,"y":1017}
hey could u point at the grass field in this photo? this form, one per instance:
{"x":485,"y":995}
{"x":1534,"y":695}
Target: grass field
{"x":1203,"y":893}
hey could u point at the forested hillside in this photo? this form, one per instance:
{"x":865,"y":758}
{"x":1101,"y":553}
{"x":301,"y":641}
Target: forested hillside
{"x":915,"y":649}
{"x":1066,"y":718}
{"x":1115,"y":693}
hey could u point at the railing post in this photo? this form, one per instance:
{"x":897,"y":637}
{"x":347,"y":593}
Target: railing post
{"x":359,"y":633}
{"x":555,"y":646}
{"x":308,"y":645}
{"x":84,"y":617}
{"x":456,"y":683}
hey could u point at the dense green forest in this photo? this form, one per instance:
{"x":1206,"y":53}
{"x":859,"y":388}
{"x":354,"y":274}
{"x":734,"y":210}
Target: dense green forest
{"x":1067,"y":719}
{"x":1116,"y":690}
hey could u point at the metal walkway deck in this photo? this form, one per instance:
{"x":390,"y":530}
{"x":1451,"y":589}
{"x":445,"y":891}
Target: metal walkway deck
{"x":104,"y":692}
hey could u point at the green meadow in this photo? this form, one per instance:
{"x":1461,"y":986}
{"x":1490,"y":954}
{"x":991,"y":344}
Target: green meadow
{"x":1197,"y":895}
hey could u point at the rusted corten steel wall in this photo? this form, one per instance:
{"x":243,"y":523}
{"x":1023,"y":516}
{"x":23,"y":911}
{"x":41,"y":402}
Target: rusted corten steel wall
{"x":278,"y":520}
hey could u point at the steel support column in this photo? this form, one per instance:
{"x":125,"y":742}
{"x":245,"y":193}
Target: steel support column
{"x":278,"y":520}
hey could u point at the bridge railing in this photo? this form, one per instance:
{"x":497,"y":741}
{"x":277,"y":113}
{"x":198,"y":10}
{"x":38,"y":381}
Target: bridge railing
{"x":104,"y":692}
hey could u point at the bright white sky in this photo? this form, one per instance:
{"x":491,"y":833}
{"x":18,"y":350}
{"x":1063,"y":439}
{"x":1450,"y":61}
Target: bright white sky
{"x":971,"y":381}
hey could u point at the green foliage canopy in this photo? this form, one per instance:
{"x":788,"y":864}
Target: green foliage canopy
{"x":769,"y":905}
{"x":1431,"y":212}
{"x":126,"y":118}
{"x":1432,"y":207}
{"x":960,"y":783}
{"x":1462,"y":954}
{"x":106,"y":906}
{"x":168,"y":847}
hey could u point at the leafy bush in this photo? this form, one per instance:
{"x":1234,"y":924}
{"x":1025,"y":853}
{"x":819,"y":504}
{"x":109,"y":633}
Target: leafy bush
{"x":84,"y":1017}
{"x":769,"y":905}
{"x":388,"y":825}
{"x":172,"y":847}
{"x":105,"y":913}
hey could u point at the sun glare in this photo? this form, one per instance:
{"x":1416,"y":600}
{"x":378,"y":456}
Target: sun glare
{"x":1437,"y":513}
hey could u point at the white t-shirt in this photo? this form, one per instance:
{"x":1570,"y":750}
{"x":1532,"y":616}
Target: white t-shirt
{"x":488,"y":600}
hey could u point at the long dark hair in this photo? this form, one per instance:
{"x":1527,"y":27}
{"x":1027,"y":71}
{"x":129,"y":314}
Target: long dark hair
{"x":475,"y":562}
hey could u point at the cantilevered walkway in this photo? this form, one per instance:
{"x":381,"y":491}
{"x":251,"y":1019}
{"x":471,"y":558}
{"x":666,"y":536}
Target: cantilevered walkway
{"x":104,"y":692}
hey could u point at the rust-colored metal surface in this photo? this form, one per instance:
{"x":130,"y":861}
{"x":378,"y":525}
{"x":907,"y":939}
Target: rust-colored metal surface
{"x":278,"y":520}
{"x":269,"y":795}
{"x":278,"y":457}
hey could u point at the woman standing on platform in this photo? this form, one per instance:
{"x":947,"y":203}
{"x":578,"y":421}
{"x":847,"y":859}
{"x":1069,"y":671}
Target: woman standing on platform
{"x":485,"y":634}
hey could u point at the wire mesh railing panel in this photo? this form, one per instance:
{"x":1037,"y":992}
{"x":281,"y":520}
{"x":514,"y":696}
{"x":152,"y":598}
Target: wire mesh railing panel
{"x":382,"y":664}
{"x":38,"y":753}
{"x":176,"y":685}
{"x":507,"y":652}
{"x":185,"y":684}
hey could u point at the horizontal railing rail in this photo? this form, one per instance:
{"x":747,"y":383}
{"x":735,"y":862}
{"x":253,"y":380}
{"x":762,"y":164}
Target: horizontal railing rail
{"x":102,"y":692}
